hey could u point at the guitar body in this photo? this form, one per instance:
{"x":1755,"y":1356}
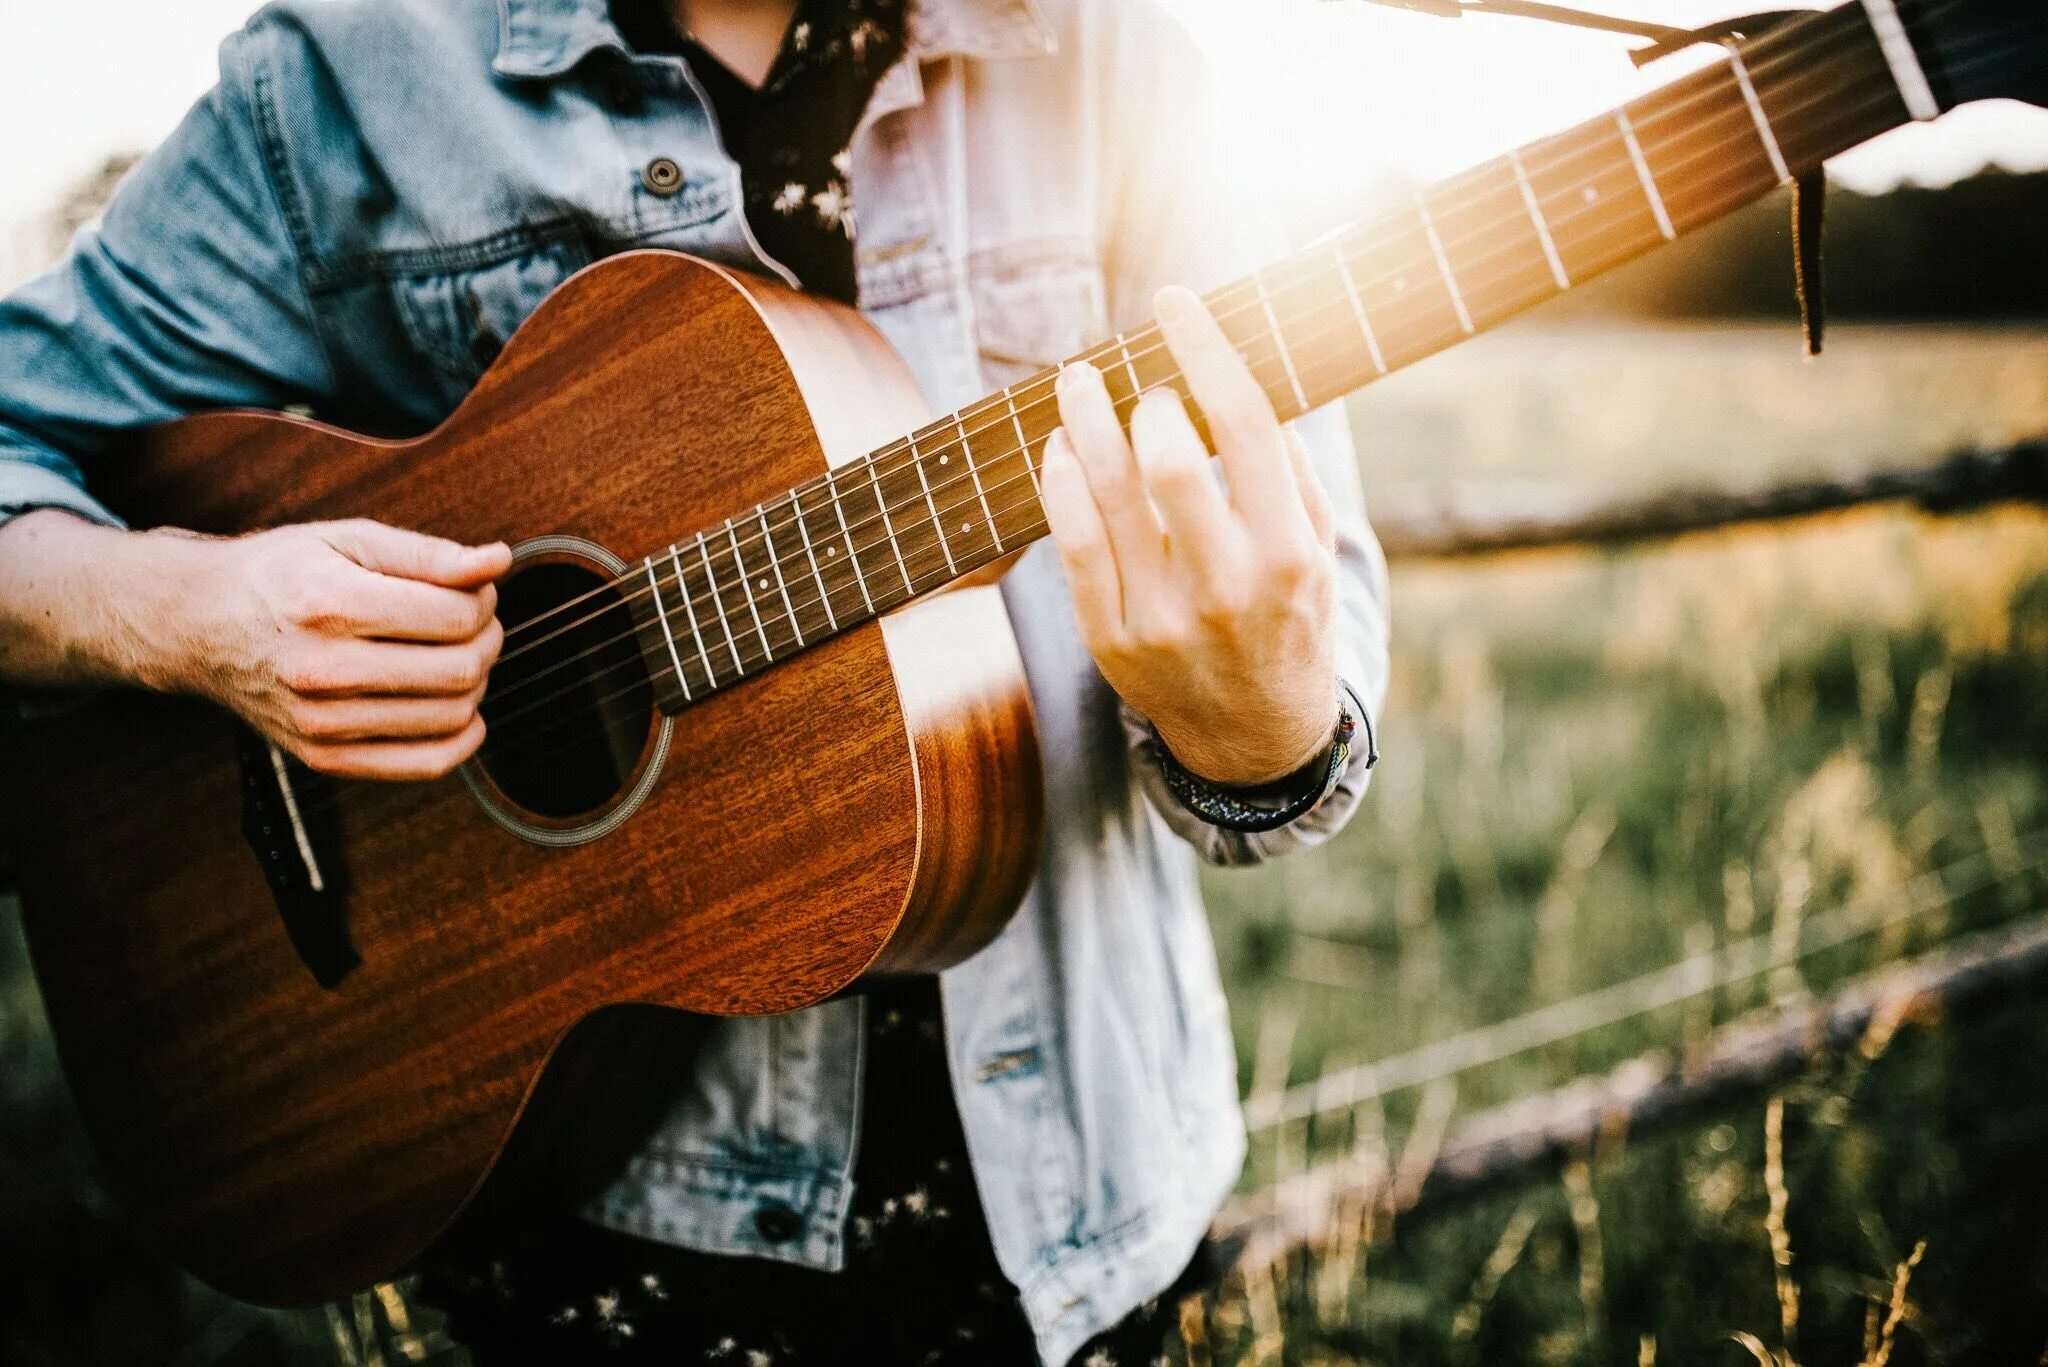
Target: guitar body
{"x":869,"y":805}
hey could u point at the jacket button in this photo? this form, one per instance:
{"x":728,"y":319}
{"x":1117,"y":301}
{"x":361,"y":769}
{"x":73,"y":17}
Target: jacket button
{"x":777,"y":1224}
{"x":662,"y":177}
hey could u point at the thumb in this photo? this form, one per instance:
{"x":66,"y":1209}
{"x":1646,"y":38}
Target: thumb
{"x":415,"y":555}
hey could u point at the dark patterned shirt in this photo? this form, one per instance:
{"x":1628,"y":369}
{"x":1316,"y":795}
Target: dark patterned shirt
{"x":790,"y":136}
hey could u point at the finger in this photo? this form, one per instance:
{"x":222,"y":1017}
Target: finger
{"x":396,"y":669}
{"x":1313,"y":496}
{"x":1175,"y":466}
{"x":332,"y":720}
{"x":407,"y":610}
{"x":1083,"y":541}
{"x":415,"y":555}
{"x":1240,"y":416}
{"x":395,"y":760}
{"x":1096,"y":437}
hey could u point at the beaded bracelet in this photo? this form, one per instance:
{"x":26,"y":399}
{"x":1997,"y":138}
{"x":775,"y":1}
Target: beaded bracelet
{"x":1229,"y":808}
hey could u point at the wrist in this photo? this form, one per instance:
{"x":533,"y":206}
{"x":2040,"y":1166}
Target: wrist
{"x":1227,"y":758}
{"x":169,"y":581}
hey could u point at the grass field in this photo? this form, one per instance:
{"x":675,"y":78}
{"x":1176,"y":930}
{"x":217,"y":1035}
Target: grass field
{"x":1596,"y":763}
{"x":1599,"y":763}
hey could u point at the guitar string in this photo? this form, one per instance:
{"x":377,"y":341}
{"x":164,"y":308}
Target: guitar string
{"x":752,"y":658}
{"x":805,"y":568}
{"x":999,"y":404}
{"x":938,"y":573}
{"x":529,"y":736}
{"x":785,"y":514}
{"x":789,"y":503}
{"x":766,"y":654}
{"x":1957,"y":66}
{"x":875,"y":459}
{"x":1467,"y":181}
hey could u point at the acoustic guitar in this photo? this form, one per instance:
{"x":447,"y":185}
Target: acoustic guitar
{"x":302,"y":1017}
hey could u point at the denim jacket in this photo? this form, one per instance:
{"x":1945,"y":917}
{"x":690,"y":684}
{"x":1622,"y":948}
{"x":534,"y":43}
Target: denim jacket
{"x":375,"y":195}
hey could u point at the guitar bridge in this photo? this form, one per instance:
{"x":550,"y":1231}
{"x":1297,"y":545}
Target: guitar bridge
{"x":288,"y":818}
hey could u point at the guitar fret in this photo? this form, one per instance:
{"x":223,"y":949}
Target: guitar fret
{"x":781,"y":584}
{"x":739,"y":568}
{"x":1372,"y":343}
{"x":1443,"y":263}
{"x":1756,"y":112}
{"x":1023,"y":443}
{"x":661,"y":615}
{"x":1635,"y":154}
{"x":811,"y":554}
{"x":683,"y":591}
{"x":1542,"y":224}
{"x":1123,"y":343}
{"x":839,"y":512}
{"x":718,"y":602}
{"x":967,"y":454}
{"x":1279,"y":339}
{"x":889,"y":527}
{"x":917,"y":464}
{"x":1904,"y":61}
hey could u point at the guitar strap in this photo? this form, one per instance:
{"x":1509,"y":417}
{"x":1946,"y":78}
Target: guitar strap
{"x":1809,"y":192}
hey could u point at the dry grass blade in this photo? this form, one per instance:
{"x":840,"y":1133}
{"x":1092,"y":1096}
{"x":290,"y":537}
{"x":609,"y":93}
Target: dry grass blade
{"x":1585,"y":1210}
{"x":1774,"y":1225}
{"x":1514,"y":1237}
{"x":1895,"y":1313}
{"x":1765,"y":1357}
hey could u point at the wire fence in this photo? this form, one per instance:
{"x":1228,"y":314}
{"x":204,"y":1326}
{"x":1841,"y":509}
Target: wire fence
{"x":1444,"y":1162}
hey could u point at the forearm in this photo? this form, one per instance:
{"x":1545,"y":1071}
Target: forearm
{"x":83,"y":604}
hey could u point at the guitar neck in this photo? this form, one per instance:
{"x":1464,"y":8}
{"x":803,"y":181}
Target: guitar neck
{"x":1332,"y":317}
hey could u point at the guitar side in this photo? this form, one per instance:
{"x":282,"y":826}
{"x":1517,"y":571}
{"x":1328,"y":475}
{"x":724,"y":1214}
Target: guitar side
{"x":291,"y":1142}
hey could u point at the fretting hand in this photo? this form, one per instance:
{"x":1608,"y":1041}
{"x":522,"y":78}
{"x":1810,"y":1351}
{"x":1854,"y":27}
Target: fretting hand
{"x":1212,"y":614}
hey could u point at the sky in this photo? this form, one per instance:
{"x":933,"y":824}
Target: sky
{"x":1324,"y":95}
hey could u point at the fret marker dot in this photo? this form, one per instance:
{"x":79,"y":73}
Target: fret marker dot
{"x":831,"y":551}
{"x":942,"y":460}
{"x":965,"y":525}
{"x":1590,"y":193}
{"x":764,"y":583}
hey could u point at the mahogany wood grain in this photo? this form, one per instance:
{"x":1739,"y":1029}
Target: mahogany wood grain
{"x":290,"y":1143}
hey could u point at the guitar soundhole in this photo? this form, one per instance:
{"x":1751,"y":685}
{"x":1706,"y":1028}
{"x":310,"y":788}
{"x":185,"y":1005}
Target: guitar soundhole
{"x":573,"y":737}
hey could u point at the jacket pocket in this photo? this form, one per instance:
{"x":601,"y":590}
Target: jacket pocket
{"x":1034,"y":313}
{"x":461,"y":319}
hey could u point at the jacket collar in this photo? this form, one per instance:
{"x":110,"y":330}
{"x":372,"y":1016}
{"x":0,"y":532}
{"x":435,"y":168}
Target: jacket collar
{"x":544,"y":38}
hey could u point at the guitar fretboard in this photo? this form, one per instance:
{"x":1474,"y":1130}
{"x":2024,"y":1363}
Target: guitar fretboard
{"x":1334,"y":316}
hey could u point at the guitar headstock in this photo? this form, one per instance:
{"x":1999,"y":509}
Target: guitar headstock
{"x":1982,"y":49}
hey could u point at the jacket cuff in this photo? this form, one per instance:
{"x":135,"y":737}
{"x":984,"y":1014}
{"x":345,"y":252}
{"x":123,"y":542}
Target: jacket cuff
{"x":28,"y":483}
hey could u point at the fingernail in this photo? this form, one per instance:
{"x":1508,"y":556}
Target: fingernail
{"x":1176,"y":302}
{"x":1076,"y":372}
{"x":1058,"y":445}
{"x":1145,"y":412}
